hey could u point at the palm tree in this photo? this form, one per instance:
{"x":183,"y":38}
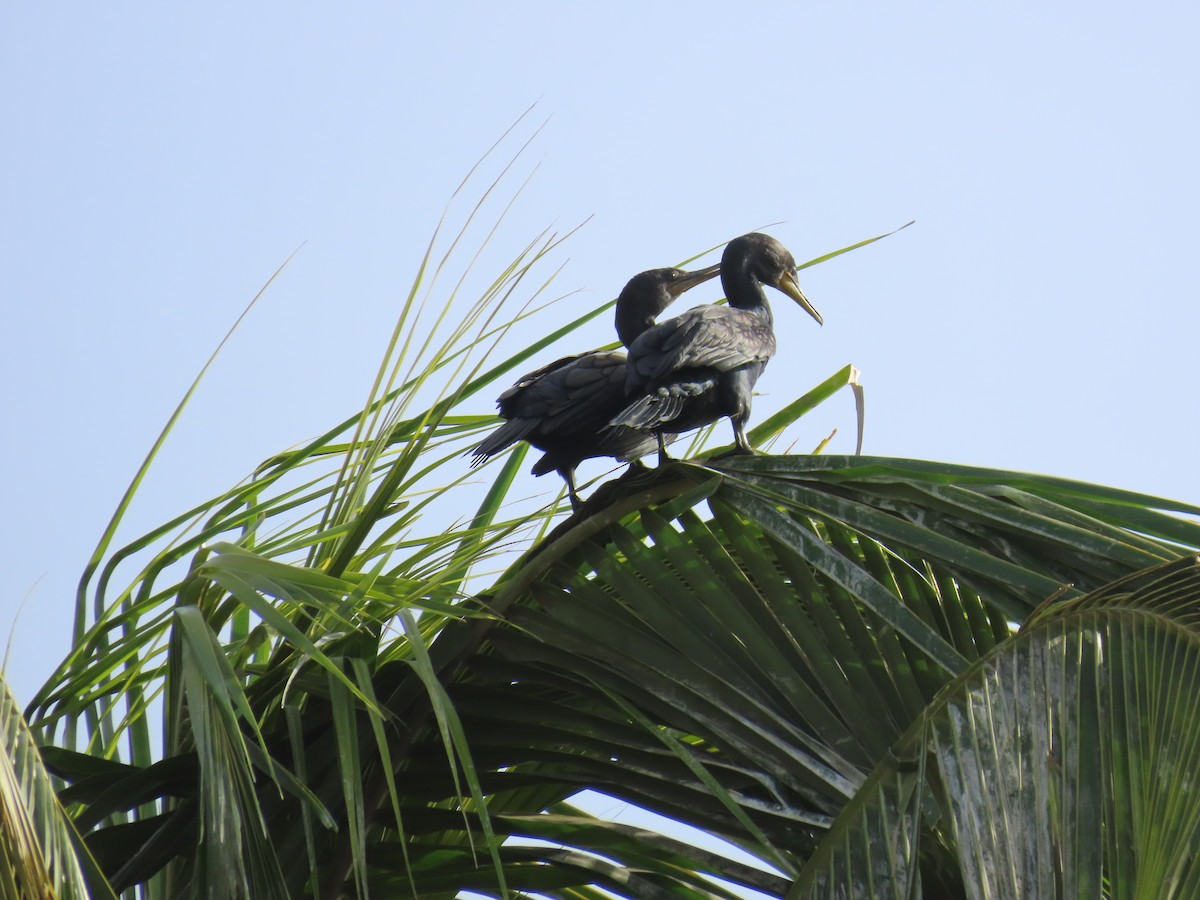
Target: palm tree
{"x":879,"y":677}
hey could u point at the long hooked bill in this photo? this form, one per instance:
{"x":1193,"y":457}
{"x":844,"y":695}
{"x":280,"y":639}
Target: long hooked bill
{"x":690,"y":279}
{"x":790,"y":285}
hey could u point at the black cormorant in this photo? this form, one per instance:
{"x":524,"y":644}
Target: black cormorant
{"x":702,"y":365}
{"x":564,"y":408}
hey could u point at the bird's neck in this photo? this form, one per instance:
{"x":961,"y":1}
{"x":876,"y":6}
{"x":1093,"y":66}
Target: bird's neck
{"x":746,"y":292}
{"x":632,"y":323}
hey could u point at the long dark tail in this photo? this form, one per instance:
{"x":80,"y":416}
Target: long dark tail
{"x":502,"y":438}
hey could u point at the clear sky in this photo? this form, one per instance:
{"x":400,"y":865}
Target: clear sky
{"x":161,"y":160}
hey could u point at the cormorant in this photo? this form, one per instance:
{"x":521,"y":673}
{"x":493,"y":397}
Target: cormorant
{"x":564,"y":408}
{"x":702,"y":365}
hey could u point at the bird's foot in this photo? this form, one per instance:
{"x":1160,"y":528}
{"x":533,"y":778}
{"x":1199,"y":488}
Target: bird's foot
{"x":663,"y":456}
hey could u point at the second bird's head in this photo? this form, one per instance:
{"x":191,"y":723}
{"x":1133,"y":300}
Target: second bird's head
{"x":648,"y":293}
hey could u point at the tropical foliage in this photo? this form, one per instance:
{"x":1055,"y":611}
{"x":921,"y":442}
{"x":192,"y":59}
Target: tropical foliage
{"x":877,"y":677}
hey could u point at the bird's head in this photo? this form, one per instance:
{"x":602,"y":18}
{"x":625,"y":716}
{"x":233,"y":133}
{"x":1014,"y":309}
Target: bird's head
{"x":648,"y":293}
{"x":766,"y":261}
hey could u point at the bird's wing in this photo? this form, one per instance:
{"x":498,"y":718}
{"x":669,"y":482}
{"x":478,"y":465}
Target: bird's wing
{"x":716,"y":337}
{"x":530,"y":378}
{"x":567,"y":395}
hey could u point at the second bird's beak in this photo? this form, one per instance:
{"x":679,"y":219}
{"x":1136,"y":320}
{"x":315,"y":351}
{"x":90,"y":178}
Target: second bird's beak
{"x":790,"y":285}
{"x":691,"y":279}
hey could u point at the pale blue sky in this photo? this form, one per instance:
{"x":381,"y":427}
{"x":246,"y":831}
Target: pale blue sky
{"x":161,"y":160}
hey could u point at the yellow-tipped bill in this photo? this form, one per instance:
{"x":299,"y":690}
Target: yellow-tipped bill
{"x":790,"y":285}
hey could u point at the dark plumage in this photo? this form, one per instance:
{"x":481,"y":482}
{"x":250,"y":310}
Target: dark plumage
{"x":702,"y":365}
{"x":564,"y":408}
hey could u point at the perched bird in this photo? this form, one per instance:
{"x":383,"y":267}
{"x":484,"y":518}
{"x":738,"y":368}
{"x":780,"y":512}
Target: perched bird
{"x":564,"y":408}
{"x":702,"y":365}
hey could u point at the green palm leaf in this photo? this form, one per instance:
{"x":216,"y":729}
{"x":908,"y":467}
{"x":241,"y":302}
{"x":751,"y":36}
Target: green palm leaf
{"x":786,"y":625}
{"x":41,"y":853}
{"x":1059,"y":765}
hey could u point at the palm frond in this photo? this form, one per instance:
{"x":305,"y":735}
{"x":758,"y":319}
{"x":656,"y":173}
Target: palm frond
{"x":1059,"y":764}
{"x":782,"y":619}
{"x":41,"y":853}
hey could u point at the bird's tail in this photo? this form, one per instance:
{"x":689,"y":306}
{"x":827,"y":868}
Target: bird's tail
{"x":502,"y":438}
